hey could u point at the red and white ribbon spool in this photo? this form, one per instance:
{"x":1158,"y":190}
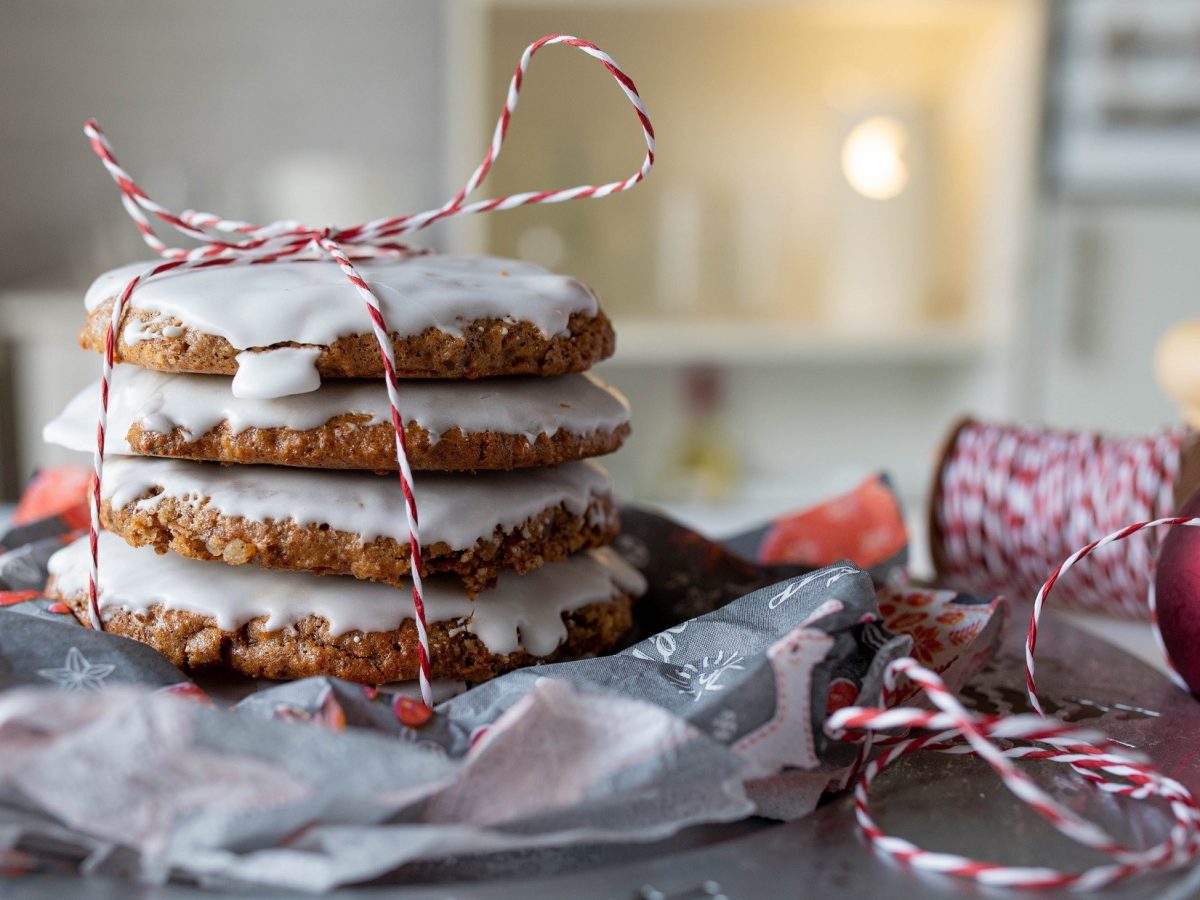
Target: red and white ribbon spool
{"x":1010,"y":503}
{"x":227,"y":242}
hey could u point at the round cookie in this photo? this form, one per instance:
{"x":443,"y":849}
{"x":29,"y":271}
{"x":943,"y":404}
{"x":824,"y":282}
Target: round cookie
{"x":449,"y":425}
{"x":449,"y":317}
{"x":296,"y":625}
{"x":353,"y":523}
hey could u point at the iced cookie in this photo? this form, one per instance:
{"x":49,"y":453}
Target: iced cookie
{"x":450,"y":425}
{"x":282,"y":327}
{"x":353,"y":523}
{"x":295,"y":625}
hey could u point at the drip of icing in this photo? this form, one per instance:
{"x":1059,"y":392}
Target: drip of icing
{"x":459,"y":511}
{"x":279,"y":372}
{"x":161,"y":402}
{"x":135,"y":331}
{"x":522,"y":611}
{"x":244,"y":304}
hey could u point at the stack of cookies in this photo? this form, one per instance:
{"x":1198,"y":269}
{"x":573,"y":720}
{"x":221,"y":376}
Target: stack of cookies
{"x":253,"y":517}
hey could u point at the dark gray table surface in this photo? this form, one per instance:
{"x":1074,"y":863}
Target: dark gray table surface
{"x":940,"y":802}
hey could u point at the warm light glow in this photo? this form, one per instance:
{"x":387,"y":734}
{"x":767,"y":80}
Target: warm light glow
{"x":872,"y":157}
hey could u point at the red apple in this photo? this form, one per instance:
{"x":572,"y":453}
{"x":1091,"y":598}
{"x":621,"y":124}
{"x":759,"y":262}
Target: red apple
{"x":1177,"y":593}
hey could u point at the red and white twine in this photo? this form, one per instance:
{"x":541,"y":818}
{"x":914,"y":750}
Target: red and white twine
{"x":951,"y":728}
{"x":229,"y":242}
{"x":1012,"y":502}
{"x":1007,"y":501}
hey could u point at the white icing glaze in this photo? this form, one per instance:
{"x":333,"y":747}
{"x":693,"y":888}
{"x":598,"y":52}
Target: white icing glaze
{"x":159,"y":402}
{"x":522,"y":611}
{"x":282,"y":372}
{"x":313,"y":303}
{"x":454,"y":509}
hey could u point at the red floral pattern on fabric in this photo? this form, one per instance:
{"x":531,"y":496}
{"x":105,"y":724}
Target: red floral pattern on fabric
{"x":59,"y":491}
{"x":939,"y":627}
{"x":412,"y":713}
{"x":842,"y":693}
{"x":926,"y":645}
{"x":963,"y":636}
{"x":188,"y":691}
{"x":12,"y":598}
{"x":333,"y":716}
{"x":864,"y":526}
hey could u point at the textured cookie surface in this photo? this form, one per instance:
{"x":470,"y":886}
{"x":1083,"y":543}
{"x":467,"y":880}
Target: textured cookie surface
{"x":449,"y":317}
{"x":294,"y":625}
{"x":450,"y":425}
{"x":192,"y":641}
{"x":353,"y":523}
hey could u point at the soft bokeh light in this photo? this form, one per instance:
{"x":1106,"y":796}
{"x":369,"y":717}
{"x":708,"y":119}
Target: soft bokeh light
{"x":873,"y":157}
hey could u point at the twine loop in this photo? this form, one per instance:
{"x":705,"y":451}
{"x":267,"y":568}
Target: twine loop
{"x":1000,"y":741}
{"x":230,"y":242}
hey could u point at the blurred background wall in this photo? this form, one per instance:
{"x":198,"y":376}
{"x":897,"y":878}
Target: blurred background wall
{"x":328,"y":112}
{"x":868,"y":216}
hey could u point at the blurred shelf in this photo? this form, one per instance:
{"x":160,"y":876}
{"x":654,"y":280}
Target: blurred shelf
{"x":663,"y":342}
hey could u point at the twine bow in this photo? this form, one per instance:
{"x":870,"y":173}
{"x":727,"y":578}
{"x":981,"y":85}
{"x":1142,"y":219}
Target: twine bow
{"x":228,"y":242}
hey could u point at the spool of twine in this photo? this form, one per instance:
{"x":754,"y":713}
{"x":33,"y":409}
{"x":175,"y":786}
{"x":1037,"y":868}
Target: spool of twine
{"x":1010,"y":503}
